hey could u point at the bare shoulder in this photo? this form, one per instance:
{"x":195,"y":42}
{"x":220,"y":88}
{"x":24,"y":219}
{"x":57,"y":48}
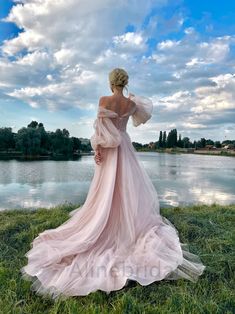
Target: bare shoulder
{"x":106,"y":102}
{"x":103,"y":101}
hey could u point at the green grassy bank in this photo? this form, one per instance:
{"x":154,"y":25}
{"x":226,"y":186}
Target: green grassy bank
{"x":207,"y":229}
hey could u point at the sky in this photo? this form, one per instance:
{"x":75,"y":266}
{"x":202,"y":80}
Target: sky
{"x":55,"y":57}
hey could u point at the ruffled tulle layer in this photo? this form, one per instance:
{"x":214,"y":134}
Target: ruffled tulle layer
{"x":156,"y":255}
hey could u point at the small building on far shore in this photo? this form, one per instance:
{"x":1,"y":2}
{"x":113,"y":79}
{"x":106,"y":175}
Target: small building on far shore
{"x":151,"y":145}
{"x":210,"y":147}
{"x":228,"y":146}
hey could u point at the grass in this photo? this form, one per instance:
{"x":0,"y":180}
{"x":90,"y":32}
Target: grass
{"x":207,"y":229}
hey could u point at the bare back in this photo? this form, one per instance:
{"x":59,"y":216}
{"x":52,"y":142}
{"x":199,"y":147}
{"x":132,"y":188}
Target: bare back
{"x":117,"y":103}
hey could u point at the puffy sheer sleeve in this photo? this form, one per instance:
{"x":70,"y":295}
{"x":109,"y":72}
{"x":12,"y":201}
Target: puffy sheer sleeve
{"x":143,"y":110}
{"x":105,"y":132}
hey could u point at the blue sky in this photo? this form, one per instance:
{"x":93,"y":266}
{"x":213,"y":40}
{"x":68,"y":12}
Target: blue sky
{"x":55,"y":59}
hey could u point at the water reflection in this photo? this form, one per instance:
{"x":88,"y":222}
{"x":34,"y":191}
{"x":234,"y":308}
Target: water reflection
{"x":180,"y":179}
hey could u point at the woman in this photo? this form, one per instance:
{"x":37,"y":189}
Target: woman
{"x":118,"y":234}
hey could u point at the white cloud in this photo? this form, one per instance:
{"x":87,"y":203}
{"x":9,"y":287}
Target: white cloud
{"x":129,"y":39}
{"x":218,"y":97}
{"x":167,"y":44}
{"x":176,"y":100}
{"x":189,"y":125}
{"x":67,"y":94}
{"x":195,"y":61}
{"x":64,"y":56}
{"x":30,"y":40}
{"x":216,"y":50}
{"x":71,"y":46}
{"x":189,"y":30}
{"x":36,"y":59}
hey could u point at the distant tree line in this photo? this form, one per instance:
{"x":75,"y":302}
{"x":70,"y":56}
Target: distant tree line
{"x":172,"y":140}
{"x":35,"y":140}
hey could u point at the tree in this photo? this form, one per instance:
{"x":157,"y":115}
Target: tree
{"x":76,"y":144}
{"x":172,"y":138}
{"x":60,"y":142}
{"x":218,"y":144}
{"x":168,"y":140}
{"x":180,"y":142}
{"x":137,"y":145}
{"x":45,"y":143}
{"x":209,"y":142}
{"x":56,"y":140}
{"x":65,"y":133}
{"x":164,"y":139}
{"x":160,"y":141}
{"x":7,"y":140}
{"x":203,"y":142}
{"x":33,"y":124}
{"x":28,"y":141}
{"x":186,"y":142}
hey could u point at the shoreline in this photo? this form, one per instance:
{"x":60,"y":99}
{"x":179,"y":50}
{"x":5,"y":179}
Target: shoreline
{"x":230,"y":153}
{"x":12,"y":156}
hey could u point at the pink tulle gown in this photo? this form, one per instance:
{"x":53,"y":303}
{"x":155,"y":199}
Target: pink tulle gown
{"x":118,"y":234}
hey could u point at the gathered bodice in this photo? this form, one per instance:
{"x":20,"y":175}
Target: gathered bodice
{"x":120,"y":122}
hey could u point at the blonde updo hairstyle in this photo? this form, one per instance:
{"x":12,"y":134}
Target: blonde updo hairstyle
{"x":118,"y":77}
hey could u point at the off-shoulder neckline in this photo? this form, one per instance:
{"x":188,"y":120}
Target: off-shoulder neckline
{"x":105,"y":109}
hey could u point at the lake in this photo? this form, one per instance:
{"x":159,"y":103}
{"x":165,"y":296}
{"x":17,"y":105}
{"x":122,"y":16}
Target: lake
{"x":180,"y":179}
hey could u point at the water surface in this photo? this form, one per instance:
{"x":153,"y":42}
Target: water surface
{"x":180,"y":179}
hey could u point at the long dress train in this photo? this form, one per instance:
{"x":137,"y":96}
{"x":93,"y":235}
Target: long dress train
{"x":118,"y":234}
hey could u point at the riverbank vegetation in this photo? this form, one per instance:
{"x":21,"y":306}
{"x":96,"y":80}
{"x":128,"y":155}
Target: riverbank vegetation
{"x":207,"y":229}
{"x":175,"y":142}
{"x":34,"y":142}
